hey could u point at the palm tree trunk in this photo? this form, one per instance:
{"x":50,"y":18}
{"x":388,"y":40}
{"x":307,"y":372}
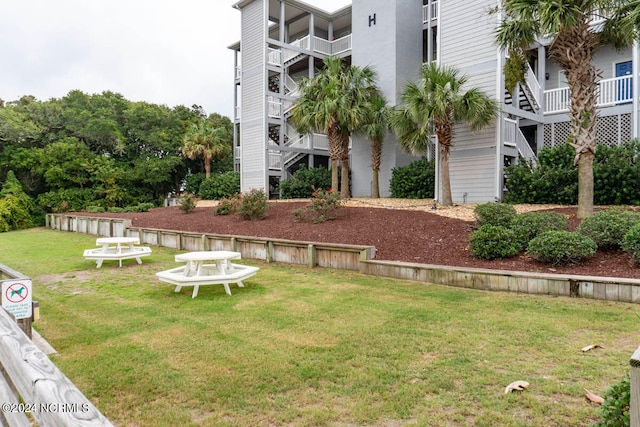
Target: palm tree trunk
{"x":445,"y":179}
{"x":581,"y":77}
{"x":344,"y":160}
{"x":207,"y":166}
{"x":585,"y":185}
{"x":375,"y":186}
{"x":376,"y":160}
{"x":334,"y":147}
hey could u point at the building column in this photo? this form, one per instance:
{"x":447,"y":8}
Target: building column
{"x":636,"y":92}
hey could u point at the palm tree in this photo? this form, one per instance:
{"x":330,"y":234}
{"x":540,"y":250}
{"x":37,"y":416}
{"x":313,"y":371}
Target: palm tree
{"x":574,"y":42}
{"x":334,"y":102}
{"x":203,"y":139}
{"x":375,"y":129}
{"x":433,"y":106}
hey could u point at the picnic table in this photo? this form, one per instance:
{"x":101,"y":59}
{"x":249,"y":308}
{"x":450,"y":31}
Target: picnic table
{"x":117,"y":248}
{"x":207,"y":268}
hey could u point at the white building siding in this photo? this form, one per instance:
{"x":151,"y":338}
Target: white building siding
{"x":474,"y":178}
{"x":473,"y":165}
{"x":253,"y":82}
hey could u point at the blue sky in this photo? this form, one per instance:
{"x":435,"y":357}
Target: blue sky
{"x":159,"y":51}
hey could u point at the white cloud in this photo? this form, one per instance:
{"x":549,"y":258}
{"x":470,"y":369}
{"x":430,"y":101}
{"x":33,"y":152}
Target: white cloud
{"x":159,"y":51}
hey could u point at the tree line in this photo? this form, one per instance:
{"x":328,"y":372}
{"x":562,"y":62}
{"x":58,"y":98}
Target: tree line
{"x":104,"y":150}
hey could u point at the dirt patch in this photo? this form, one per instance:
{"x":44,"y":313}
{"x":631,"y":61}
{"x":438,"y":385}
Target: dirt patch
{"x":401,"y":230}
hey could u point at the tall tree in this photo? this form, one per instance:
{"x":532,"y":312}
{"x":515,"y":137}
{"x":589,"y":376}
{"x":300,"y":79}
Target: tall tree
{"x":375,"y":129}
{"x":334,"y":102}
{"x":433,"y":106}
{"x":574,"y":41}
{"x":204,"y":140}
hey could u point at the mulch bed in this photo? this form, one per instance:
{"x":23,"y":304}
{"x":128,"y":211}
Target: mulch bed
{"x":401,"y":235}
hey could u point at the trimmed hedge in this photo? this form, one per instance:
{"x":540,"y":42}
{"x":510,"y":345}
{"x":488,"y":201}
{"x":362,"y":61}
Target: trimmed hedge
{"x":493,"y":242}
{"x":301,"y":185}
{"x":220,"y":186}
{"x":608,"y":227}
{"x":414,"y":181}
{"x":561,"y":247}
{"x":495,"y":214}
{"x":529,"y":225}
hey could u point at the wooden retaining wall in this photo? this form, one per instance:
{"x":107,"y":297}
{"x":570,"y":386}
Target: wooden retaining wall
{"x":360,"y":258}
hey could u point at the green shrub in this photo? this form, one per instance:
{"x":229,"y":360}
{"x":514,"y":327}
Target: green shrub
{"x":96,"y":209}
{"x":252,"y":204}
{"x":220,"y":186}
{"x":187,"y":203}
{"x":494,"y":214}
{"x":69,"y":200}
{"x":321,"y":207}
{"x":631,"y":242}
{"x":616,"y":406}
{"x":303,"y":181}
{"x":115,"y":209}
{"x":554,"y":180}
{"x":608,"y":227}
{"x":140,"y":207}
{"x":14,"y":214}
{"x":529,"y":225}
{"x":615,"y":176}
{"x":227,"y":206}
{"x":414,"y":181}
{"x":561,"y":247}
{"x":193,"y":182}
{"x":493,"y":242}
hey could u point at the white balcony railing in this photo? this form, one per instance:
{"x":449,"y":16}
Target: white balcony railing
{"x":533,"y":83}
{"x":274,"y":107}
{"x":326,"y":47}
{"x":514,"y":137}
{"x":434,"y":12}
{"x":617,"y":90}
{"x":238,"y":111}
{"x":274,"y":57}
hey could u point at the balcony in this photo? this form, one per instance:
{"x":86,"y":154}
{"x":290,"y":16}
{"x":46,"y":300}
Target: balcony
{"x":434,"y":12}
{"x":280,"y":57}
{"x":615,"y":91}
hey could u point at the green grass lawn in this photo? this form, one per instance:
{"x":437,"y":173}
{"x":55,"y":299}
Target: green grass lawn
{"x":303,"y":347}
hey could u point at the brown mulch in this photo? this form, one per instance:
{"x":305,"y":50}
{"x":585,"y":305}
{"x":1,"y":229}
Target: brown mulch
{"x":413,"y":234}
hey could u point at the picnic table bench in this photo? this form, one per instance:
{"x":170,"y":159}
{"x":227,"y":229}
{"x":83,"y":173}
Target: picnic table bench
{"x":117,"y":248}
{"x":196,"y":273}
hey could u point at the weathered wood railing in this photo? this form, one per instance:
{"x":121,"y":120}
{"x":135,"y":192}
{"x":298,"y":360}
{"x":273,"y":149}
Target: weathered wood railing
{"x":31,"y":384}
{"x":635,"y":389}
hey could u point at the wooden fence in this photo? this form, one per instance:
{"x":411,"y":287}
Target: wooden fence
{"x":31,"y":384}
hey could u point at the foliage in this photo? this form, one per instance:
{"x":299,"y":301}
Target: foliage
{"x":96,"y":209}
{"x":499,"y":214}
{"x":219,"y":186}
{"x":336,"y":102}
{"x":554,"y":180}
{"x":205,"y":139}
{"x":607,"y":228}
{"x":17,"y":207}
{"x":228,"y":205}
{"x":515,"y":68}
{"x":616,"y":176}
{"x":414,"y":181}
{"x":100,"y":149}
{"x":493,"y":242}
{"x":561,"y":247}
{"x":432,"y":107}
{"x":530,"y":224}
{"x":140,"y":207}
{"x":631,"y":242}
{"x":193,"y":182}
{"x":69,"y":199}
{"x":301,"y":185}
{"x":187,"y":203}
{"x":321,"y":208}
{"x":252,"y":204}
{"x":616,"y":406}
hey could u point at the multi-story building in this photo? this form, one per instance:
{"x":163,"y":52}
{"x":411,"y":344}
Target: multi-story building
{"x":285,"y":40}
